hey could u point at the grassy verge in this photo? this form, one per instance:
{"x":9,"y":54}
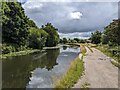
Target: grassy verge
{"x":82,"y":49}
{"x":105,"y":49}
{"x":20,"y":53}
{"x":85,"y":86}
{"x":115,"y":64}
{"x":89,"y":47}
{"x":73,"y":74}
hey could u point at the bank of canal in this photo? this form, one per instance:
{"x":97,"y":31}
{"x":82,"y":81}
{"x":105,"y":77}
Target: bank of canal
{"x":38,"y":70}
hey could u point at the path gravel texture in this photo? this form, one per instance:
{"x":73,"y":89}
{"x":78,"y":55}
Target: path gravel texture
{"x":99,"y":72}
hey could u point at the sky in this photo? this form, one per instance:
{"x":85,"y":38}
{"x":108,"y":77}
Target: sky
{"x":73,"y":19}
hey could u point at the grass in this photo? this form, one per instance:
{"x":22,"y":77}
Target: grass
{"x":85,"y":86}
{"x":89,"y":47}
{"x":74,"y":72}
{"x":20,"y":53}
{"x":82,"y":49}
{"x":115,"y":64}
{"x":105,"y":49}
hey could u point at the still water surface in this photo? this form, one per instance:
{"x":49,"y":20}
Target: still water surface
{"x":40,"y":70}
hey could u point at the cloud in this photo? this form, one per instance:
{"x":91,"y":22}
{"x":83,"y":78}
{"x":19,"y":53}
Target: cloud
{"x":74,"y":0}
{"x":32,"y":6}
{"x":82,"y":35}
{"x":22,"y":1}
{"x":72,"y":17}
{"x":76,"y":15}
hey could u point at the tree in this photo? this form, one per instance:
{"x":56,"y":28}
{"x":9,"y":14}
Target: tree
{"x":82,"y":41}
{"x":14,"y":26}
{"x":112,"y":32}
{"x":77,"y":39}
{"x":73,"y":41}
{"x":31,"y":23}
{"x":104,"y":39}
{"x":37,"y":38}
{"x":96,"y":37}
{"x":61,"y":41}
{"x":64,"y":40}
{"x":53,"y":37}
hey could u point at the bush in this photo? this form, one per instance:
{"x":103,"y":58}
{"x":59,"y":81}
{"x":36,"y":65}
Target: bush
{"x":37,"y":38}
{"x":110,"y":44}
{"x":7,"y":49}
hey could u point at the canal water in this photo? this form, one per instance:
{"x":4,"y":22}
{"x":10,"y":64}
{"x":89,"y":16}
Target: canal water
{"x":38,"y":70}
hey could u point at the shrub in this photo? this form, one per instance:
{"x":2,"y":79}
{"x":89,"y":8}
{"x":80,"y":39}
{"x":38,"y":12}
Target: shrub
{"x":7,"y":49}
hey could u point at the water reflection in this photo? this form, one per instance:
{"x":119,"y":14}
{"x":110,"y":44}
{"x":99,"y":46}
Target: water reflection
{"x":40,"y":70}
{"x":16,"y":70}
{"x":42,"y":78}
{"x":64,"y":47}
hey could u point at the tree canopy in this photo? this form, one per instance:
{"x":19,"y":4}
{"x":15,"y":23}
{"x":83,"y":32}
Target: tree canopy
{"x":19,"y":31}
{"x":53,"y":37}
{"x":112,"y":32}
{"x":14,"y":23}
{"x":96,"y":37}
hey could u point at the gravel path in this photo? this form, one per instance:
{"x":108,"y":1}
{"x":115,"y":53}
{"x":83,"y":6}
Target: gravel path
{"x":99,"y":72}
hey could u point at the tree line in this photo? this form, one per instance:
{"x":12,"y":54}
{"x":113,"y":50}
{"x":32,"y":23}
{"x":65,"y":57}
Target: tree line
{"x":110,"y":35}
{"x":75,"y":40}
{"x":109,"y":39}
{"x":20,"y":33}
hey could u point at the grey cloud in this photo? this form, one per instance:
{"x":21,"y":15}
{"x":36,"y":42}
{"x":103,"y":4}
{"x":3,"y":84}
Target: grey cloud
{"x":83,"y":35}
{"x":95,"y":15}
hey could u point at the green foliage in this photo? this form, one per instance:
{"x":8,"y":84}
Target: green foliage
{"x":31,"y":23}
{"x":7,"y":49}
{"x":77,"y":39}
{"x":96,"y":37}
{"x":65,"y":40}
{"x":110,"y":36}
{"x":37,"y":38}
{"x":14,"y":26}
{"x":73,"y":41}
{"x":61,"y":41}
{"x":73,"y":74}
{"x":104,"y":39}
{"x":112,"y":32}
{"x":53,"y":37}
{"x":82,"y":41}
{"x":111,"y":51}
{"x":19,"y":32}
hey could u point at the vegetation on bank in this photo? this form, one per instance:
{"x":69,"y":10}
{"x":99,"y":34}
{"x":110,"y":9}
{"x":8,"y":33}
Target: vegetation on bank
{"x":109,"y":51}
{"x":116,"y":64}
{"x":75,"y":40}
{"x":82,"y":49}
{"x":89,"y":47}
{"x":73,"y":74}
{"x":20,"y":53}
{"x":19,"y":33}
{"x":85,"y":86}
{"x":108,"y":41}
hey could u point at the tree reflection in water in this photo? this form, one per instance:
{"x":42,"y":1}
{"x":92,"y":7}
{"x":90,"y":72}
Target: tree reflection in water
{"x":17,"y":70}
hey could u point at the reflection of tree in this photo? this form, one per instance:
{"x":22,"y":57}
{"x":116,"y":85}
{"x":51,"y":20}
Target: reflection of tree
{"x":16,"y":72}
{"x":51,"y":58}
{"x":64,"y":47}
